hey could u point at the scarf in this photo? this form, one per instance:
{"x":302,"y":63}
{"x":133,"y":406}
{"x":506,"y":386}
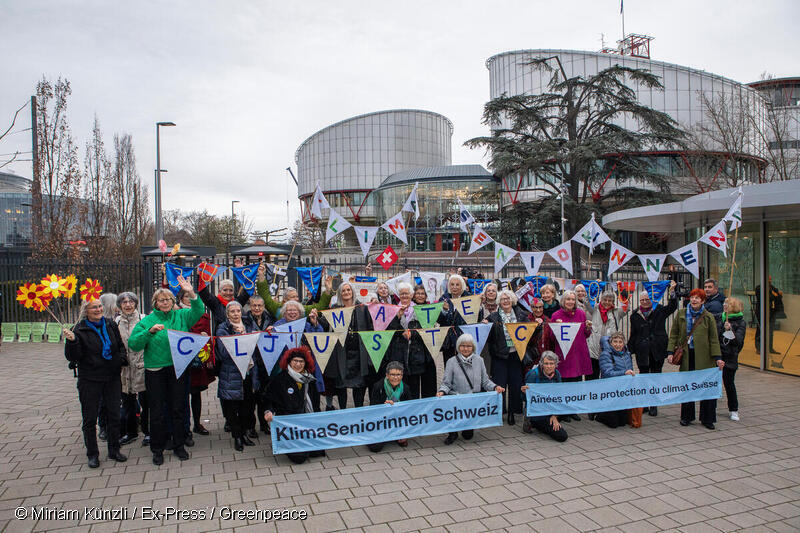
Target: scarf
{"x":549,"y":305}
{"x":302,"y":381}
{"x":490,"y":307}
{"x":645,"y":312}
{"x":407,"y":316}
{"x":691,"y":316}
{"x":726,"y":316}
{"x":507,"y":318}
{"x":100,"y":329}
{"x":392,"y":394}
{"x":223,"y":301}
{"x":465,"y":360}
{"x":603,"y":313}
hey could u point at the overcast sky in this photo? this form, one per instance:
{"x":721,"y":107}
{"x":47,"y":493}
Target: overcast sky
{"x":246,"y":82}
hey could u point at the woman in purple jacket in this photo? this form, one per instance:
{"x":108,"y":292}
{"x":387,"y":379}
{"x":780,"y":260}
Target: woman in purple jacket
{"x":577,"y":362}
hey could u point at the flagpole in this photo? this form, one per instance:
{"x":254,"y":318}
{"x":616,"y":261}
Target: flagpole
{"x":733,"y":261}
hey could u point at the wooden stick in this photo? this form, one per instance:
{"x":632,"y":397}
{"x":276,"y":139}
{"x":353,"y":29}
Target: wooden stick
{"x":47,"y":308}
{"x":733,"y":261}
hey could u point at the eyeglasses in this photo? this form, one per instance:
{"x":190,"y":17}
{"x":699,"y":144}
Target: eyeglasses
{"x":538,"y":307}
{"x":395,"y":375}
{"x":160,"y":300}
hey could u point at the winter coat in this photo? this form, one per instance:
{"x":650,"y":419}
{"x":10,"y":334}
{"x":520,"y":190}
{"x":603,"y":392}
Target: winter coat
{"x":133,"y":374}
{"x":215,"y":306}
{"x":231,"y":385}
{"x":455,"y":381}
{"x":577,"y":362}
{"x":730,"y":348}
{"x":273,"y":307}
{"x":535,"y":375}
{"x":200,"y":378}
{"x":600,"y":330}
{"x":284,"y":396}
{"x":317,"y":370}
{"x":714,"y":305}
{"x":377,"y":394}
{"x":157,"y":353}
{"x":498,"y":347}
{"x":87,"y":351}
{"x":549,"y":311}
{"x":649,"y":335}
{"x":451,"y":317}
{"x":613,"y":363}
{"x":412,"y":352}
{"x":350,"y":366}
{"x":706,"y":341}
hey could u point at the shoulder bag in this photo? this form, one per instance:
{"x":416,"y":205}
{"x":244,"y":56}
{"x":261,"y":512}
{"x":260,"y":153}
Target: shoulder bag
{"x":677,"y":355}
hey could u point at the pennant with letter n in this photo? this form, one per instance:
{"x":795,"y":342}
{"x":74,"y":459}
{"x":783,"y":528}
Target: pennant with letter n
{"x":376,"y":343}
{"x":521,"y":333}
{"x":428,"y":314}
{"x":247,"y":277}
{"x":480,"y":332}
{"x":652,"y":264}
{"x":717,"y":238}
{"x":184,"y":347}
{"x":566,"y":333}
{"x":172,"y":272}
{"x":322,"y":344}
{"x":468,"y":307}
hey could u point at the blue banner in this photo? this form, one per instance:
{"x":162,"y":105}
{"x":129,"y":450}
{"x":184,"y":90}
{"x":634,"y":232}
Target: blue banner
{"x":656,"y":290}
{"x":380,"y":423}
{"x":246,"y":275}
{"x":476,"y":286}
{"x":366,"y":279}
{"x":538,"y":282}
{"x":594,"y":289}
{"x":311,"y":277}
{"x":172,"y":272}
{"x":623,"y":392}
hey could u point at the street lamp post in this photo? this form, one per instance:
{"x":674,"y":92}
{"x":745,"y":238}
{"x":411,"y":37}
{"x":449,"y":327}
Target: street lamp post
{"x":159,"y":170}
{"x":233,"y":225}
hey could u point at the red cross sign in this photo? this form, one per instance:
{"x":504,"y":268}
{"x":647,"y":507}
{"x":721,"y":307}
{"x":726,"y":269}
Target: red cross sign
{"x":387,"y":258}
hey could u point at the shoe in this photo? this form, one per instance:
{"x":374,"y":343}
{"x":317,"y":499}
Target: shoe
{"x":227,"y":428}
{"x":526,"y":425}
{"x":189,"y":441}
{"x":685,"y":422}
{"x":200,"y":430}
{"x":127,"y":439}
{"x":653,"y":411}
{"x":118,"y":457}
{"x":158,"y":458}
{"x":94,"y":461}
{"x":181,"y":453}
{"x":266,"y":430}
{"x":564,"y":418}
{"x":592,"y":416}
{"x":238,"y":445}
{"x":403,"y":443}
{"x":316,"y":453}
{"x":511,"y":420}
{"x":576,"y":418}
{"x":330,"y":408}
{"x":708,"y":425}
{"x":146,"y":440}
{"x":102,"y":435}
{"x":450,"y":439}
{"x":469,"y":434}
{"x":735,"y":416}
{"x":247,"y":442}
{"x":252,"y":433}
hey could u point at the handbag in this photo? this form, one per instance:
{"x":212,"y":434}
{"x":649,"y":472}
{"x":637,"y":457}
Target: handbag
{"x":677,"y":355}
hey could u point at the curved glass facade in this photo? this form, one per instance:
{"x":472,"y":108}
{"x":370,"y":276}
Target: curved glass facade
{"x":15,"y":214}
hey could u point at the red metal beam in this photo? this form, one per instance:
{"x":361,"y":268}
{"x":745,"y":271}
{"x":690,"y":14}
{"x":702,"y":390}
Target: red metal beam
{"x":724,"y":162}
{"x":691,"y":171}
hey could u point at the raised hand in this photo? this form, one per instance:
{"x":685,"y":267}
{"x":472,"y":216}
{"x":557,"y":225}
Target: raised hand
{"x":186,"y":286}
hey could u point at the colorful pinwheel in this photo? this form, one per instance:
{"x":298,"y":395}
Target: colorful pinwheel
{"x":91,"y":290}
{"x":32,"y":295}
{"x":54,"y":285}
{"x":40,"y":304}
{"x":70,"y":286}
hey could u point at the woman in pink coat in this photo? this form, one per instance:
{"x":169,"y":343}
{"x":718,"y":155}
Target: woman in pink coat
{"x":577,"y":362}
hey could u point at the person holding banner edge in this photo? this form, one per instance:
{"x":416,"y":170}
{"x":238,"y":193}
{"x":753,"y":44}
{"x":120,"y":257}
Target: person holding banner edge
{"x":695,"y":332}
{"x":389,"y":390}
{"x":614,"y":361}
{"x":544,"y":372}
{"x":261,"y":321}
{"x":576,"y":363}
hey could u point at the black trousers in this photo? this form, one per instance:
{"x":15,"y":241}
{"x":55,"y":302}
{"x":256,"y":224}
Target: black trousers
{"x":595,"y":370}
{"x":422,"y":385}
{"x":144,"y":413}
{"x":613,"y":419}
{"x":235,"y":414}
{"x":130,"y":408}
{"x":90,"y":394}
{"x":655,"y":366}
{"x":197,"y":406}
{"x":358,"y":397}
{"x":543,"y":425}
{"x":249,"y":404}
{"x":164,"y":389}
{"x":708,"y":408}
{"x":730,"y":388}
{"x":507,"y":373}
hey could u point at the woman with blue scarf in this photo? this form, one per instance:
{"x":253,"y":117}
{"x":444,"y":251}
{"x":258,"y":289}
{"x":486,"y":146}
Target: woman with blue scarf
{"x":95,"y":345}
{"x":700,"y":351}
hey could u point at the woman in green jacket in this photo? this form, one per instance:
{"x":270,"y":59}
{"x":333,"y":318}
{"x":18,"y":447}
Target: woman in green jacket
{"x":262,"y":287}
{"x":150,"y":334}
{"x":702,"y":352}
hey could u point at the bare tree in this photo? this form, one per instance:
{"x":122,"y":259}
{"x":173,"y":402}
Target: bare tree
{"x":310,"y":237}
{"x":6,"y":132}
{"x":97,"y":215}
{"x":127,"y":200}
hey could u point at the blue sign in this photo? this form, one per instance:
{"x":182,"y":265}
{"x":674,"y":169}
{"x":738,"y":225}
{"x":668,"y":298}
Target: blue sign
{"x":623,"y":392}
{"x":380,"y":423}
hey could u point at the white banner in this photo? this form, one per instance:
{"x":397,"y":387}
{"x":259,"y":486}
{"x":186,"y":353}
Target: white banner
{"x":502,"y":255}
{"x":336,"y":225}
{"x":591,"y":235}
{"x":479,"y":332}
{"x":532,"y":261}
{"x":407,"y":277}
{"x":270,"y":346}
{"x":318,"y":202}
{"x":734,"y":214}
{"x":412,"y":203}
{"x":717,"y":238}
{"x":432,"y":281}
{"x":293,"y":327}
{"x":566,"y":333}
{"x":396,"y":227}
{"x":563,"y":254}
{"x":465,"y":218}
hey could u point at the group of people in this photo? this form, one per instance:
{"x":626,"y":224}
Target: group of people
{"x":124,"y":358}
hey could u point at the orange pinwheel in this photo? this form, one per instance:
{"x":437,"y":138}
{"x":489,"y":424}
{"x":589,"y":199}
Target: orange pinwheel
{"x":31,"y":294}
{"x":70,"y":286}
{"x":91,"y":290}
{"x":54,"y":285}
{"x":41,"y":303}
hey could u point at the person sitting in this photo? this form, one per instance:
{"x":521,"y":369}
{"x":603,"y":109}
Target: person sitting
{"x":615,"y":360}
{"x":545,"y":372}
{"x":389,"y":390}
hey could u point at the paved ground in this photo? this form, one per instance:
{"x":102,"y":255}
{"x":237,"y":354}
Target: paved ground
{"x":743,"y":476}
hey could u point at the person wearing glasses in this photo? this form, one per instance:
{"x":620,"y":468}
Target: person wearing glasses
{"x":389,"y":390}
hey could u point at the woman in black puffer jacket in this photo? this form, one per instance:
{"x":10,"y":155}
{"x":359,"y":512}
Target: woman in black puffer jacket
{"x":732,"y":329}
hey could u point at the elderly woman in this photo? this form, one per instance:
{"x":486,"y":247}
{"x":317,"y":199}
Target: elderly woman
{"x":606,"y":319}
{"x":542,"y":339}
{"x":695,"y":330}
{"x":583,"y":299}
{"x":288,"y":392}
{"x":576,"y":363}
{"x":389,"y":390}
{"x":551,"y":305}
{"x":96,"y":346}
{"x":407,"y":347}
{"x":489,"y":301}
{"x":544,"y":372}
{"x":235,"y":393}
{"x":150,"y":335}
{"x":133,"y":391}
{"x":216,"y":304}
{"x":732,"y":330}
{"x":384,"y":295}
{"x":506,"y":363}
{"x":456,"y":288}
{"x":201,"y":373}
{"x":648,"y":338}
{"x":350,"y":366}
{"x":290,"y":293}
{"x":614,"y":361}
{"x":291,"y":311}
{"x":464,"y":374}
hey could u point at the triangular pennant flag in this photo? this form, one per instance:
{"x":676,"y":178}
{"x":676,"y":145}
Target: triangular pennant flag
{"x":382,"y":314}
{"x":563,"y":254}
{"x":407,"y":278}
{"x":433,"y":283}
{"x":336,"y":225}
{"x":246,"y":275}
{"x":652,"y":264}
{"x":734,"y":214}
{"x":532,"y":261}
{"x":376,"y":343}
{"x":594,"y":288}
{"x":479,"y":239}
{"x":241,"y":348}
{"x":318,"y":202}
{"x":428,"y":314}
{"x":311,"y":278}
{"x":688,"y":257}
{"x":476,"y":286}
{"x":591,"y":235}
{"x":619,"y":256}
{"x":322,"y":344}
{"x":502,"y":255}
{"x":717,"y":238}
{"x":656,"y":290}
{"x":172,"y":272}
{"x":184,"y":347}
{"x":480,"y":332}
{"x":271,"y":346}
{"x":341,"y":337}
{"x":465,"y":218}
{"x":468,"y":307}
{"x":294,"y":327}
{"x":538,"y":282}
{"x":434,"y":339}
{"x":626,"y":290}
{"x":366,"y":235}
{"x":565,"y":333}
{"x":396,"y":227}
{"x":412,"y":204}
{"x":521,"y":333}
{"x":339,"y":318}
{"x":525,"y":296}
{"x":208,"y":272}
